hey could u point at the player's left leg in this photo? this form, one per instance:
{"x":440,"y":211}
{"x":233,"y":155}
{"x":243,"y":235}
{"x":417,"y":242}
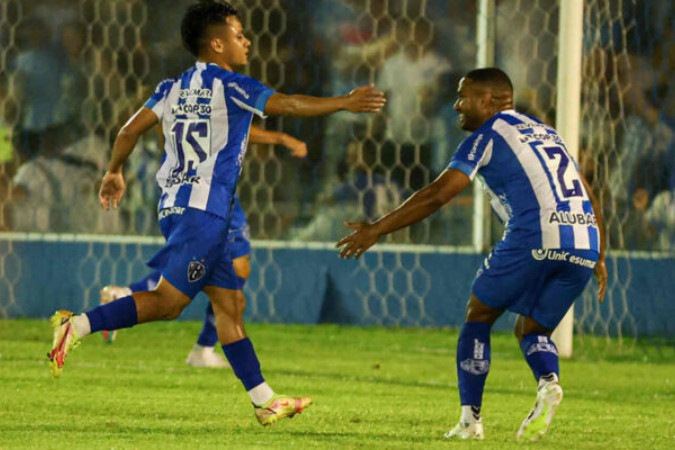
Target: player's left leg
{"x":164,"y":303}
{"x":203,"y":353}
{"x":565,"y":280}
{"x":541,"y":355}
{"x":473,"y":365}
{"x":229,"y":306}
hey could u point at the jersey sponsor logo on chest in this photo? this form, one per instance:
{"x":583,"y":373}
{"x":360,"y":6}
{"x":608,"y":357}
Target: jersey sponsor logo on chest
{"x":569,"y":218}
{"x":191,"y":108}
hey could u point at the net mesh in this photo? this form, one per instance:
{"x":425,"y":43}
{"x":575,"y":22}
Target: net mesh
{"x":71,"y":72}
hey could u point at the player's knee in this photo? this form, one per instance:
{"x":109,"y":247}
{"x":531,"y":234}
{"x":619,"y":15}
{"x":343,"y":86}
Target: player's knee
{"x":527,"y":325}
{"x":477,"y":311}
{"x":169,"y":307}
{"x":241,"y":302}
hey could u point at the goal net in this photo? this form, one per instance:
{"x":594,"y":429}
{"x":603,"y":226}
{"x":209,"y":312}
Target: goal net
{"x":72,"y":71}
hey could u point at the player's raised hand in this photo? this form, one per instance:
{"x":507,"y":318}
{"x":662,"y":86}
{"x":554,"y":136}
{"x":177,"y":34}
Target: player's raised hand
{"x":112,"y":190}
{"x":600,"y":273}
{"x":297,"y":147}
{"x":366,"y":99}
{"x":364,"y":236}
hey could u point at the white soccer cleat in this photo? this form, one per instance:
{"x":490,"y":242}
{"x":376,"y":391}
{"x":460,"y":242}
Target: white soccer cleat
{"x":107,"y":295}
{"x":466,"y":430}
{"x":535,"y":425}
{"x":206,"y":357}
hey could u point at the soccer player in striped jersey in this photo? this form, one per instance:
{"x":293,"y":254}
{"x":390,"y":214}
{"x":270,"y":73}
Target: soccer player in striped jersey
{"x":203,"y":353}
{"x":205,"y":115}
{"x":553,"y":241}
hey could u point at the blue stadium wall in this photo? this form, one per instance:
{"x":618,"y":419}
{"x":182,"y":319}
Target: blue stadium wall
{"x":312,"y":285}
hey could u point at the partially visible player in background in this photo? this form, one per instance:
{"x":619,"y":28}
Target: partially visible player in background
{"x":239,"y":247}
{"x":553,"y":242}
{"x":207,"y":111}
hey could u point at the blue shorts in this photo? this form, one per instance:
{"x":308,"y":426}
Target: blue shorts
{"x":195,"y":254}
{"x":239,"y":242}
{"x":541,"y":284}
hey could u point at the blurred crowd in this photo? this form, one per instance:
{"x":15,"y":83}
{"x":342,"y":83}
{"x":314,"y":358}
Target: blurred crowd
{"x":72,"y":71}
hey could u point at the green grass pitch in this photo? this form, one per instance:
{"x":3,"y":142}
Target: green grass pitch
{"x":374,"y":388}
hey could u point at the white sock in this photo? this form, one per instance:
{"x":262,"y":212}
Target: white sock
{"x":82,"y":325}
{"x":546,"y":379}
{"x":261,"y":394}
{"x":470,"y":414}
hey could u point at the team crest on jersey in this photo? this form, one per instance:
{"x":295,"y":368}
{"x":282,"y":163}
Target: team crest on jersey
{"x":196,"y":271}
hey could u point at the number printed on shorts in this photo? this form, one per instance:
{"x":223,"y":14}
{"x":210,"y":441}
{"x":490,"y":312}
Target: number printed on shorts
{"x":192,"y":141}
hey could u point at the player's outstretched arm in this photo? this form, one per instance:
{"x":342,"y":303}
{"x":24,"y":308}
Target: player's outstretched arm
{"x":417,"y":207}
{"x":261,"y":136}
{"x":113,"y":185}
{"x":364,"y":99}
{"x":600,"y":271}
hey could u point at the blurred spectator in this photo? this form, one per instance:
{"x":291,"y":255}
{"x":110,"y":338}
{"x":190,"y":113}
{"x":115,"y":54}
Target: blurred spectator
{"x":37,"y":80}
{"x":413,"y":79}
{"x":74,"y":81}
{"x":363,"y":194}
{"x":57,"y":192}
{"x":356,"y":39}
{"x":7,"y":153}
{"x":645,"y":163}
{"x":55,"y":14}
{"x":661,"y":219}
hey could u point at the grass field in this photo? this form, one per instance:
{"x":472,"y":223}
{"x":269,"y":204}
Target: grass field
{"x":373,"y":388}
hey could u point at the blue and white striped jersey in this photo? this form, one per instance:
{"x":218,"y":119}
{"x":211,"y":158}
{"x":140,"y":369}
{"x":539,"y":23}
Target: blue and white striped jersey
{"x":533,"y":183}
{"x":206,"y":115}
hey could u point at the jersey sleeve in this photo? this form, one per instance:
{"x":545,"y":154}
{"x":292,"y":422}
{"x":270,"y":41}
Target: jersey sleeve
{"x":157,"y":100}
{"x":248,"y":93}
{"x":472,"y":154}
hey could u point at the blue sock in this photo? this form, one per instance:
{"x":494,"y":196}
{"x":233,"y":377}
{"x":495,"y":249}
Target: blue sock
{"x":541,"y":354}
{"x":146,"y":284}
{"x":208,"y":337}
{"x":244,"y":362}
{"x":114,"y":315}
{"x":473,"y":361}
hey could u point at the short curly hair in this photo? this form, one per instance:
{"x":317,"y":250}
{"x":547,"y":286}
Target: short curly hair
{"x":198,"y":18}
{"x":491,"y":76}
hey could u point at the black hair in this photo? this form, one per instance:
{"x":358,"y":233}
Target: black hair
{"x":199,"y":17}
{"x":492,"y":77}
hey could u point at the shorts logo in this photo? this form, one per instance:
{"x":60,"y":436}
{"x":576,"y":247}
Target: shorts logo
{"x":539,"y":254}
{"x":196,"y":271}
{"x":561,"y":255}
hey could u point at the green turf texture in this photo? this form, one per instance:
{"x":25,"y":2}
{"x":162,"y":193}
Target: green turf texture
{"x":374,"y":388}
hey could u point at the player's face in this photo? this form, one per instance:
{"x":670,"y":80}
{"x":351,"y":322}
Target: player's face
{"x":233,"y":44}
{"x":472,"y":105}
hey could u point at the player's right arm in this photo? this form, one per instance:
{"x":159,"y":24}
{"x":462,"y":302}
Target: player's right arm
{"x":417,"y":207}
{"x":364,"y":99}
{"x":113,"y":185}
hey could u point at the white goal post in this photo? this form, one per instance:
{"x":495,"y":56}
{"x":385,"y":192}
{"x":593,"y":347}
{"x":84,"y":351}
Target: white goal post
{"x":568,"y":116}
